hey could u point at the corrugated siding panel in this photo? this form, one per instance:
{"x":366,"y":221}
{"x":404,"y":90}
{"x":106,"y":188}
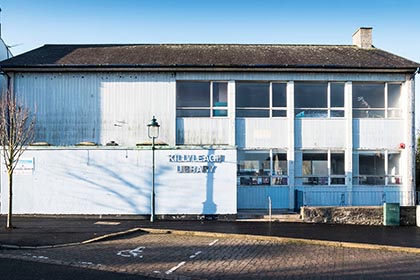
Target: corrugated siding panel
{"x":325,"y":133}
{"x":202,"y":131}
{"x":261,"y":133}
{"x":257,"y":197}
{"x":377,"y":133}
{"x":99,"y":107}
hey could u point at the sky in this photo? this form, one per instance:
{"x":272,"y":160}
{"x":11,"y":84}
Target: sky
{"x":28,"y":24}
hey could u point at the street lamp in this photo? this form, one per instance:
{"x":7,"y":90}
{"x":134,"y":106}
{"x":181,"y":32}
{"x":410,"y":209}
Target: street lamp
{"x":153,"y":133}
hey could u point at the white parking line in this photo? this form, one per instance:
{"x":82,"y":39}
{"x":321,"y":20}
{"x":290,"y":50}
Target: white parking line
{"x":195,"y":255}
{"x":175,"y":268}
{"x":214,"y":242}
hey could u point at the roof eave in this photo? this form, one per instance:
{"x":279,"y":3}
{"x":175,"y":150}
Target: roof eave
{"x":206,"y":68}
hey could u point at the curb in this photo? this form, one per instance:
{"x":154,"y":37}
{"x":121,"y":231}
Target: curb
{"x":99,"y":238}
{"x":287,"y":240}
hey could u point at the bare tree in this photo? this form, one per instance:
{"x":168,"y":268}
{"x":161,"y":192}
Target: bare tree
{"x":16,"y":132}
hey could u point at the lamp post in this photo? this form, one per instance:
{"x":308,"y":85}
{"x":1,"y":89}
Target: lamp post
{"x":153,"y":133}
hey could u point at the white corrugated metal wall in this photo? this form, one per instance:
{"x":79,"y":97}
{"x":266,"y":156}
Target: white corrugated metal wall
{"x":103,"y":107}
{"x":99,"y":107}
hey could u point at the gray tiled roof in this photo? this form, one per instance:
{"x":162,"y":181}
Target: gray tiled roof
{"x":233,"y":56}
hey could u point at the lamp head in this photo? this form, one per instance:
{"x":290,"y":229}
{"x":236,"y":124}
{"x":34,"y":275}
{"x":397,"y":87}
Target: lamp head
{"x":153,"y":128}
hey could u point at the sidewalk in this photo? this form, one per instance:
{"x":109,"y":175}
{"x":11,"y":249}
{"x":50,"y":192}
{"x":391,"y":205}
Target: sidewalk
{"x":48,"y":231}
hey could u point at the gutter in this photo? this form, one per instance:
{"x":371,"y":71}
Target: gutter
{"x":131,"y":68}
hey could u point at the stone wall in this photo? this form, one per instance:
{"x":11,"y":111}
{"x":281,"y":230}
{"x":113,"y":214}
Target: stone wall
{"x":369,"y":215}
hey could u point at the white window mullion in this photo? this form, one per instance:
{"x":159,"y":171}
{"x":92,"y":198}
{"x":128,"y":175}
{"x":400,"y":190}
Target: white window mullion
{"x":386,"y":166}
{"x":271,"y":166}
{"x":211,"y":99}
{"x":271,"y":99}
{"x":329,"y":100}
{"x":329,"y":166}
{"x":386,"y":100}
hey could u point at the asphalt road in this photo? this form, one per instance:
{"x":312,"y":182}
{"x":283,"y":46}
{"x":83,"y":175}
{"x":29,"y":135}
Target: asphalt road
{"x":12,"y":269}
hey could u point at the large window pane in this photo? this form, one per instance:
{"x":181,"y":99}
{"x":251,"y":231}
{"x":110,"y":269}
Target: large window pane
{"x":315,"y":164}
{"x":193,"y":94}
{"x":394,"y":163}
{"x":337,"y":164}
{"x":307,"y":113}
{"x":368,"y":95}
{"x":372,"y":164}
{"x":242,"y":113}
{"x":337,"y":94}
{"x":311,"y":95}
{"x":252,"y":94}
{"x":219,"y":94}
{"x":279,"y":95}
{"x":369,"y":113}
{"x":192,"y":113}
{"x":280,"y":164}
{"x":254,"y":163}
{"x":394,"y":94}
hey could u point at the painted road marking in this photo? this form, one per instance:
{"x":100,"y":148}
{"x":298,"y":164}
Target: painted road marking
{"x":40,"y":257}
{"x":191,"y":257}
{"x":107,"y":223}
{"x":175,"y":268}
{"x":195,"y":255}
{"x":132,"y":253}
{"x":214,"y":242}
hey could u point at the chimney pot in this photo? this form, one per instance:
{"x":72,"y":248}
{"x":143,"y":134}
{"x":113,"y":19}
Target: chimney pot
{"x":363,"y":37}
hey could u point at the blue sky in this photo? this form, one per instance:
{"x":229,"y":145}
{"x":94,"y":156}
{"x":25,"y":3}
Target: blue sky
{"x":29,"y":23}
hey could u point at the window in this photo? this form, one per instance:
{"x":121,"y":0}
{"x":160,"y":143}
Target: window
{"x":201,"y":99}
{"x":376,"y":100}
{"x":323,"y":168}
{"x":315,"y":168}
{"x":319,"y":100}
{"x":393,"y":175}
{"x":379,"y":168}
{"x":262,"y":168}
{"x":261,"y":100}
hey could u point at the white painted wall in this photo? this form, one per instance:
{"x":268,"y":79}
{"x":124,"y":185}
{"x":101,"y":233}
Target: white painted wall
{"x":202,"y":131}
{"x":262,"y":132}
{"x":110,"y":181}
{"x":378,"y":133}
{"x":320,"y":133}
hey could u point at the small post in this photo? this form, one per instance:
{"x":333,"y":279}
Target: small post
{"x":269,"y":208}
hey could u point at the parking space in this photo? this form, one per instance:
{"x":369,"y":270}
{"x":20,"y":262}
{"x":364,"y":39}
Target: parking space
{"x":172,"y":256}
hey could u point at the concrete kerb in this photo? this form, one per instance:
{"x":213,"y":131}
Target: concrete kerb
{"x":227,"y":235}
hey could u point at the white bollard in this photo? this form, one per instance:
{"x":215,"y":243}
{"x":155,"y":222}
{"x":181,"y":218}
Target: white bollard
{"x":418,"y":215}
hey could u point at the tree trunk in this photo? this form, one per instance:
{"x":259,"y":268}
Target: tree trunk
{"x":9,"y":215}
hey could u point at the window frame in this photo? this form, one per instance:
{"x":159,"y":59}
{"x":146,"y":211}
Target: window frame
{"x":274,"y":180}
{"x":388,"y":178}
{"x":270,"y":107}
{"x":329,"y":176}
{"x":212,"y":108}
{"x":329,"y":109}
{"x":386,"y":109}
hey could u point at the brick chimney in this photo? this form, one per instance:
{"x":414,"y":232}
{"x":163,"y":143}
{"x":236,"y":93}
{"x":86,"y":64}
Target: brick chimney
{"x":363,"y":37}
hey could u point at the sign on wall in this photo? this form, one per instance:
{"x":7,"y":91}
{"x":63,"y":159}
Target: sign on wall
{"x":25,"y":166}
{"x":196,"y":163}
